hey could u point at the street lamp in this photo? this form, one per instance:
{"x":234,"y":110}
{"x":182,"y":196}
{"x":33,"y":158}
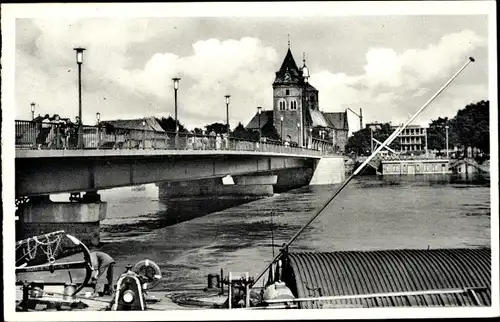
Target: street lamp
{"x":298,"y":134}
{"x":310,"y":137}
{"x":227,"y":113}
{"x":281,"y":128}
{"x":32,"y":110}
{"x":176,"y":87}
{"x":98,"y":118}
{"x":79,"y":61}
{"x":144,"y":133}
{"x":258,"y":113}
{"x":447,"y":151}
{"x":371,"y":139}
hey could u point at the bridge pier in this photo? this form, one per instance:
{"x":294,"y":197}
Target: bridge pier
{"x":289,"y":179}
{"x":244,"y":186}
{"x":80,"y":217}
{"x":186,"y":200}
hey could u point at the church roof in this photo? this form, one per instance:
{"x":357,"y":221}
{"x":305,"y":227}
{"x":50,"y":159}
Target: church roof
{"x":288,"y":66}
{"x":265,"y":116}
{"x":337,"y":120}
{"x":310,"y":88}
{"x":316,"y":118}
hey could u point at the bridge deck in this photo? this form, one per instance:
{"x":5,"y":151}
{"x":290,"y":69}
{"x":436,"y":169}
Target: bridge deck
{"x":149,"y":152}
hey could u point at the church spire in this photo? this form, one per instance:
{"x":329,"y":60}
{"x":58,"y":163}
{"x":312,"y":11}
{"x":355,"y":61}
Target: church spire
{"x":305,"y":70}
{"x":288,"y":41}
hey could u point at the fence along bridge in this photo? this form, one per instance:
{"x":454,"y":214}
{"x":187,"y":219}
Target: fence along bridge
{"x":54,"y":135}
{"x":109,"y":157}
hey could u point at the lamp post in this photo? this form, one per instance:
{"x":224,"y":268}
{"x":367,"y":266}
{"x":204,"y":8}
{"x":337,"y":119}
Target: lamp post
{"x":447,"y":151}
{"x":310,"y":137}
{"x":98,"y":118}
{"x":32,"y":110}
{"x":371,"y":139}
{"x":259,"y":109}
{"x":281,"y":128}
{"x":176,"y":87}
{"x":227,"y":113}
{"x":79,"y":61}
{"x":298,"y":134}
{"x":144,"y":133}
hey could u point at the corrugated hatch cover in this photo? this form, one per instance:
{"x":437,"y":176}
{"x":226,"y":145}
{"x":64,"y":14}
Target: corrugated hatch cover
{"x":365,"y":272}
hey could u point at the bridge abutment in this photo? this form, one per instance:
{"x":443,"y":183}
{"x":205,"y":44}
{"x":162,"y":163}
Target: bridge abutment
{"x":329,"y":170}
{"x":79,"y":218}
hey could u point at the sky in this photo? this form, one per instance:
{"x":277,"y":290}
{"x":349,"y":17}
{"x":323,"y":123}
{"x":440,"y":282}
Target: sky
{"x":387,"y":65}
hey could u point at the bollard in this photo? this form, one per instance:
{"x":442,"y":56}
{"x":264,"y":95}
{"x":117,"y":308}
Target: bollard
{"x":69,"y":291}
{"x":36,"y":289}
{"x":213,"y":279}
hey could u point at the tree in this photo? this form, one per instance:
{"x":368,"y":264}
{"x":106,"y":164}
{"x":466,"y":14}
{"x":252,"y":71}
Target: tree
{"x":168,"y":125}
{"x":472,"y":126}
{"x":383,"y":133}
{"x":240,"y":132}
{"x":198,"y":131}
{"x":217,"y":127}
{"x":436,"y":134}
{"x":269,"y":131}
{"x":359,"y":142}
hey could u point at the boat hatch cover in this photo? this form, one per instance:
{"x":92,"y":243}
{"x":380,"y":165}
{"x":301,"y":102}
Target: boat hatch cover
{"x":388,"y":278}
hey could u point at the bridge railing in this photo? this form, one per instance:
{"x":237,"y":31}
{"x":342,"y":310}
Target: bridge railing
{"x":58,"y":135}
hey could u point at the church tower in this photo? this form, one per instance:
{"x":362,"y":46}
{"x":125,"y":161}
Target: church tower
{"x":292,"y":95}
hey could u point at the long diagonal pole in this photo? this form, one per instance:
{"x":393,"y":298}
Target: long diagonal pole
{"x":358,"y":170}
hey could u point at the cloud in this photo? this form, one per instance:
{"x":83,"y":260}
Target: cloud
{"x":391,"y":80}
{"x":125,"y":76}
{"x":243,"y":68}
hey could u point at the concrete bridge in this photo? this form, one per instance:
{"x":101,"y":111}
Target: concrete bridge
{"x":182,"y":165}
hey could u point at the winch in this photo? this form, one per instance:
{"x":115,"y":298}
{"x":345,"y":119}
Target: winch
{"x":132,"y":285}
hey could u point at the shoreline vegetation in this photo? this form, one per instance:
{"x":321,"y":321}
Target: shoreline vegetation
{"x":468,"y":132}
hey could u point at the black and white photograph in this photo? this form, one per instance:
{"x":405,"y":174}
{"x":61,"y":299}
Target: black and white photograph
{"x":265,"y":160}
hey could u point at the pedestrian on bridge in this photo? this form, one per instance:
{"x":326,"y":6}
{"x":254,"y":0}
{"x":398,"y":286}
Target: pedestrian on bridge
{"x":218,"y":142}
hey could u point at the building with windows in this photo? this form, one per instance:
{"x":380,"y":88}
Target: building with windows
{"x":413,"y":139}
{"x":415,"y":166}
{"x":296,"y":116}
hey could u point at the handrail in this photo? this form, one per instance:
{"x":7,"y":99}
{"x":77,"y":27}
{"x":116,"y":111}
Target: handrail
{"x":56,"y":135}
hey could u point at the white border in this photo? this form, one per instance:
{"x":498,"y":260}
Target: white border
{"x":312,"y":9}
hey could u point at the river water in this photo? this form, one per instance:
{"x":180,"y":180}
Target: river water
{"x":371,"y":213}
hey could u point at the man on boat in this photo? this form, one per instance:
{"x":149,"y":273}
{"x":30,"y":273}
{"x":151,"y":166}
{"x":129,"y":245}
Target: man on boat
{"x":102,"y":264}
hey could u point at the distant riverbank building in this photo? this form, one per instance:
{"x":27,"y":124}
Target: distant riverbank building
{"x":296,"y":116}
{"x":413,"y":139}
